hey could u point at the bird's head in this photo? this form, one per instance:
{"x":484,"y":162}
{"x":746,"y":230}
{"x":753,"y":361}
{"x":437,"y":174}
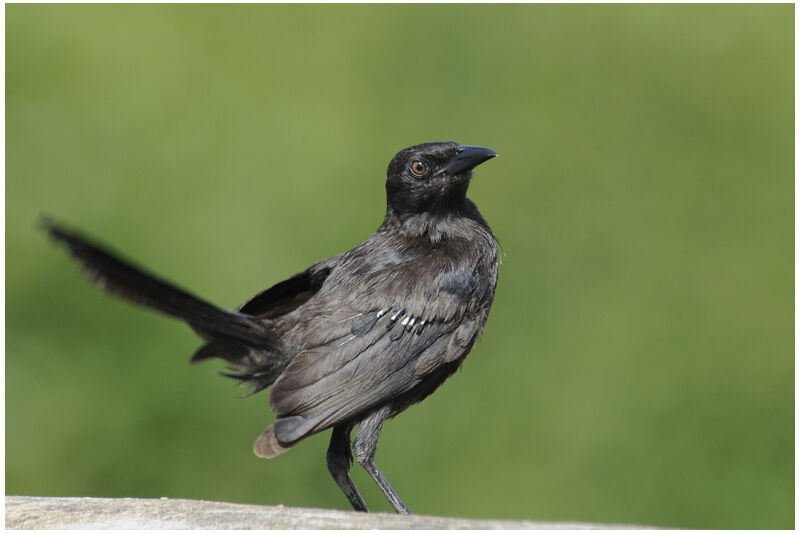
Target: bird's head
{"x":432,"y":177}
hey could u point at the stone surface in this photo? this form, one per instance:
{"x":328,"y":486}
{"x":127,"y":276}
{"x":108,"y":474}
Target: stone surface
{"x":31,"y":512}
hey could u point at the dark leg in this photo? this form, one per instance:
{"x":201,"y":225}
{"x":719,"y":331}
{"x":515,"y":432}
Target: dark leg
{"x":339,"y":460}
{"x":365,"y":445}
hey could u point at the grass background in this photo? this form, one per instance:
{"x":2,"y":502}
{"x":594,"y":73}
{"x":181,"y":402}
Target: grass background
{"x":638,"y":364}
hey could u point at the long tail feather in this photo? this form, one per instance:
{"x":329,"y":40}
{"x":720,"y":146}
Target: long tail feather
{"x":134,"y":284}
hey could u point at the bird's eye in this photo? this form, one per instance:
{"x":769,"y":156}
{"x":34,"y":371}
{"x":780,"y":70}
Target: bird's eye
{"x":418,"y":168}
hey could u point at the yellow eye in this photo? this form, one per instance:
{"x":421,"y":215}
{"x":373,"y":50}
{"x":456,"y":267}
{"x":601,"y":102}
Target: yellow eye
{"x":418,"y":168}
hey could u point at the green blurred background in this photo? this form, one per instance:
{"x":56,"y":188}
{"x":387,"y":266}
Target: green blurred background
{"x":638,"y":364}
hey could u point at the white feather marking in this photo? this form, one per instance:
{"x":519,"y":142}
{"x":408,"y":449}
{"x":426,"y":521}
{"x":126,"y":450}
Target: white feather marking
{"x":346,"y":341}
{"x":350,"y":318}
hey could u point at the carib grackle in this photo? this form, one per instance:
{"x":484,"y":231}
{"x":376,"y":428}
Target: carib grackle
{"x":356,"y":338}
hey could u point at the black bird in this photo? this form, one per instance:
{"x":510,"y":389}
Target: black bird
{"x":356,"y":338}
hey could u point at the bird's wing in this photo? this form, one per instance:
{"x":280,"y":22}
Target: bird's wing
{"x":370,"y":350}
{"x":288,"y":295}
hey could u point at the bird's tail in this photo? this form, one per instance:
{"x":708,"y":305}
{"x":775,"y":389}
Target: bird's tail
{"x":121,"y":278}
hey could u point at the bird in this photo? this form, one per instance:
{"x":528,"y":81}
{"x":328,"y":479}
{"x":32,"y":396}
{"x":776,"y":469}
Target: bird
{"x":354,"y":339}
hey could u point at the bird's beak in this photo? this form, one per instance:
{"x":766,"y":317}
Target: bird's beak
{"x":468,"y":158}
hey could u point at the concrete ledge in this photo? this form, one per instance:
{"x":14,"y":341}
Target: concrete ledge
{"x":32,"y":512}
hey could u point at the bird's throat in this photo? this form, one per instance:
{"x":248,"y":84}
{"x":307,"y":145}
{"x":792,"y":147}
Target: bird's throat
{"x":455,"y":222}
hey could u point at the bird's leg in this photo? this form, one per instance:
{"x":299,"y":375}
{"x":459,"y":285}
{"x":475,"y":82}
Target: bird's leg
{"x":365,"y":445}
{"x":339,"y":460}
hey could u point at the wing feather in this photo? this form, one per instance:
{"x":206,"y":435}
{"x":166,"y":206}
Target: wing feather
{"x":373,"y":333}
{"x":341,"y":400}
{"x":328,"y":384}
